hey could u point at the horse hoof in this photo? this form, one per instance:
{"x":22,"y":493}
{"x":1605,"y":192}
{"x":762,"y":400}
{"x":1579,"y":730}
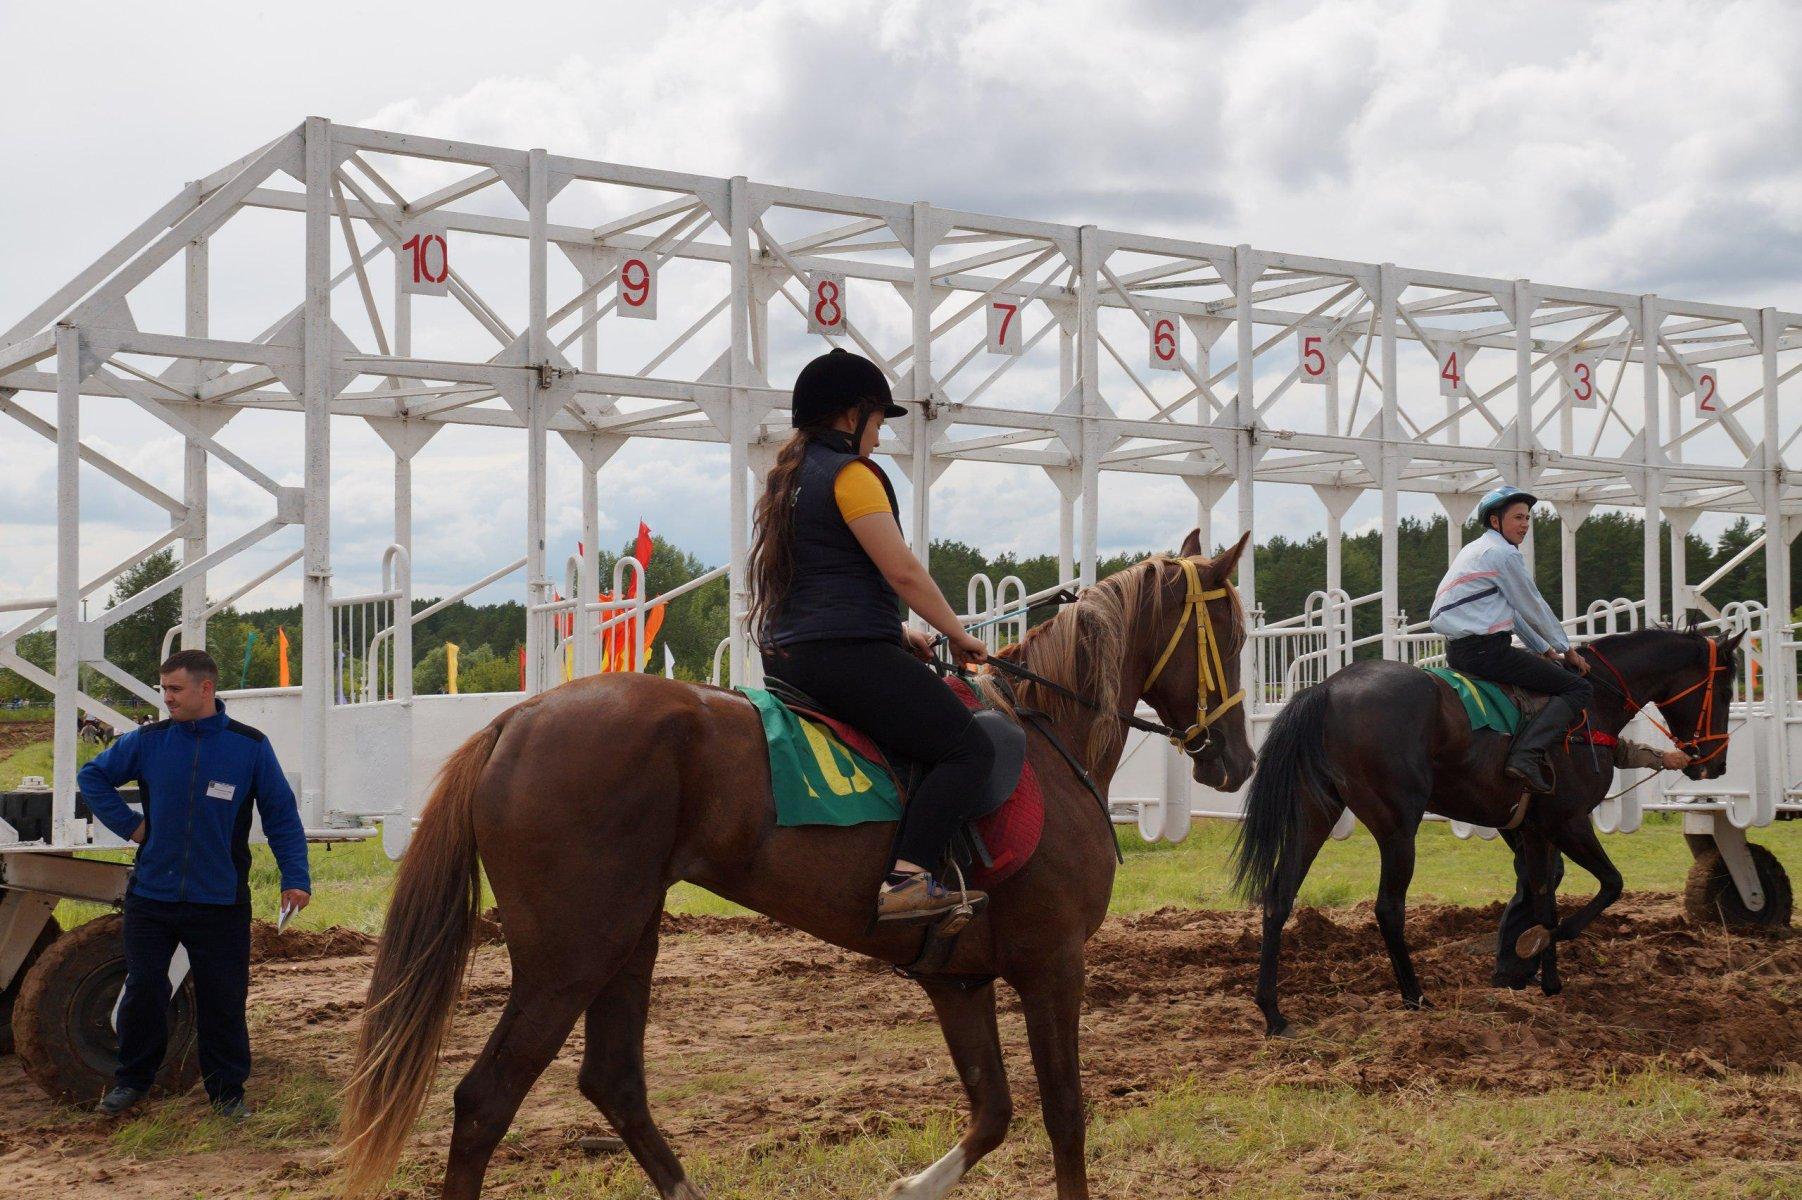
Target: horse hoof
{"x":1513,"y":983}
{"x":1533,"y":942}
{"x":1551,"y":987}
{"x":1280,"y":1029}
{"x":1416,"y":1003}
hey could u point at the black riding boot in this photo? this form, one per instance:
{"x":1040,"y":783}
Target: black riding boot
{"x":1527,"y":760}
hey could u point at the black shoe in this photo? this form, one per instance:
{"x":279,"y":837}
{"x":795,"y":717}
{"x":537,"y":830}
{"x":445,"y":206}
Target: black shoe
{"x":1527,"y":758}
{"x":119,"y":1101}
{"x":231,"y":1110}
{"x":1531,"y":771}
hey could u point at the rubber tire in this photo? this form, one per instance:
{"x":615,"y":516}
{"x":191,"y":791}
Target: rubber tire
{"x":48,"y":934}
{"x":1710,"y":898}
{"x":62,"y":1020}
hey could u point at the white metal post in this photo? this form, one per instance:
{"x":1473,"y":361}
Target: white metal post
{"x":1388,"y":301}
{"x":68,"y":577}
{"x":1246,"y":270}
{"x":1650,"y":318}
{"x":922,"y":417}
{"x":1777,"y":661}
{"x":1523,"y":306}
{"x":538,"y":582}
{"x":739,"y":464}
{"x":194,"y":464}
{"x":1088,"y":365}
{"x":316,"y":669}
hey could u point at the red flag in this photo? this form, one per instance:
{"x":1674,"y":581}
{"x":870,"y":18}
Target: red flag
{"x":522,"y":668}
{"x":642,"y":552}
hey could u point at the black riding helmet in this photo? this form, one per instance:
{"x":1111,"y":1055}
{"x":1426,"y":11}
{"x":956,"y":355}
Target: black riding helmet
{"x":836,"y":381}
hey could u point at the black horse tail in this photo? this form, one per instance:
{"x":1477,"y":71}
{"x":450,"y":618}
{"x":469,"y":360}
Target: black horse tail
{"x":1292,"y":771}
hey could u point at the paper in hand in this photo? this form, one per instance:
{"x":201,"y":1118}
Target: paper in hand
{"x":287,"y":914}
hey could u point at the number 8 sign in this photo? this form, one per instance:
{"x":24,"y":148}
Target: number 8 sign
{"x":826,"y":305}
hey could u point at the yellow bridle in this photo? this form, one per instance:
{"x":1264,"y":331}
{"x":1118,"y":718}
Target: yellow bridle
{"x":1210,"y":674}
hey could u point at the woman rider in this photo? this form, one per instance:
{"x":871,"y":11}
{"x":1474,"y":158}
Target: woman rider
{"x":1489,"y":596}
{"x":828,"y":570}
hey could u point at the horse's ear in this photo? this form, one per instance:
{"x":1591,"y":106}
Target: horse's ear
{"x":1191,"y":544}
{"x":1731,"y":645}
{"x":1221,"y":569}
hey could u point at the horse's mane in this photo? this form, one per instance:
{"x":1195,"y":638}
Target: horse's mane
{"x":1636,"y":638}
{"x":1082,"y":648}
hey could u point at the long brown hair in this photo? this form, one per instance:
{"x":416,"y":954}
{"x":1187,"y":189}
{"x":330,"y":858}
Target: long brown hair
{"x":772,"y":564}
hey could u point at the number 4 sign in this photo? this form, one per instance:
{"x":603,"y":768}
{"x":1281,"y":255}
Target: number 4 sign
{"x":425,"y":259}
{"x":826,"y":305}
{"x":1454,"y":360}
{"x":1709,"y":405}
{"x":1006,"y":335}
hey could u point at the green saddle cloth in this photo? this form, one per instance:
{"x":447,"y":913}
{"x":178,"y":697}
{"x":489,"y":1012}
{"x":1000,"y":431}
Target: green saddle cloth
{"x":1485,"y":703}
{"x":817,"y":779}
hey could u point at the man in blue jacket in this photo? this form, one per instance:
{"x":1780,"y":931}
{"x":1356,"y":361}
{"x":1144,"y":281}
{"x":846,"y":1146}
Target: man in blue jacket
{"x":197,"y":774}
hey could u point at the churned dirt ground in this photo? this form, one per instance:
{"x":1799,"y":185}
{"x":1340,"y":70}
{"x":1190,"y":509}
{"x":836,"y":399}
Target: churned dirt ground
{"x":763,"y":1041}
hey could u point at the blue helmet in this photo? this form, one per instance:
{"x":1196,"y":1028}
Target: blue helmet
{"x":1501,"y":498}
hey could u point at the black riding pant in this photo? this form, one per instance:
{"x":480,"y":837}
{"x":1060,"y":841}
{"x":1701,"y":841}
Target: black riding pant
{"x":1494,"y":657}
{"x":217,"y":938}
{"x":885,"y":691}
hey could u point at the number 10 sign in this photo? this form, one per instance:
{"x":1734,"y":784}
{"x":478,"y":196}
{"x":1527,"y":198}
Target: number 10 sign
{"x":425,"y":258}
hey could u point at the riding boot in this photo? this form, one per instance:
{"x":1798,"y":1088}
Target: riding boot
{"x":1527,"y":761}
{"x":920,"y":897}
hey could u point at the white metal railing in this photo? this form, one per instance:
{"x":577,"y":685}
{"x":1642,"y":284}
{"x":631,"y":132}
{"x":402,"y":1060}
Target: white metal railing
{"x":364,"y":662}
{"x":990,"y":613}
{"x":219,"y":606}
{"x":573,"y":632}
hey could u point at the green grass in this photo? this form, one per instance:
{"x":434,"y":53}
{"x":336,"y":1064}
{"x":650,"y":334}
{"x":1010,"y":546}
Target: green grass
{"x":352,"y":879}
{"x":1196,"y":1138}
{"x":35,"y":759}
{"x":38,"y":712}
{"x":301,"y":1109}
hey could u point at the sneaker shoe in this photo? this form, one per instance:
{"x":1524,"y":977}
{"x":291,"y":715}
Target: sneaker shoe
{"x":921,"y":898}
{"x":231,"y":1110}
{"x":119,"y":1101}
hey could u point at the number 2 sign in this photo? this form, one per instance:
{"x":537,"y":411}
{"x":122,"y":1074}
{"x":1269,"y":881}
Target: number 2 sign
{"x":1006,"y":336}
{"x":826,"y":305}
{"x":638,"y":289}
{"x":1166,"y":343}
{"x":1709,"y":405}
{"x":425,"y":259}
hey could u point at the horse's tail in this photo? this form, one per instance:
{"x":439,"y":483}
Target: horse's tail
{"x":1292,"y":772}
{"x":419,"y":966}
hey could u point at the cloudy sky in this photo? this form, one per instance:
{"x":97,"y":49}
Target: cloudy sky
{"x":1636,"y":146}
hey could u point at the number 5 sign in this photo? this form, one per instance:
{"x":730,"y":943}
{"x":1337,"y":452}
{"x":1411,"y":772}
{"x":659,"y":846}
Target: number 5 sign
{"x":1316,"y":358}
{"x":826,"y":305}
{"x":425,"y":259}
{"x":1166,"y":343}
{"x":1005,"y":333}
{"x":1709,"y":405}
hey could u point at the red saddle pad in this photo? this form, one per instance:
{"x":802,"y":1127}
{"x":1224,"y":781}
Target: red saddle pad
{"x":1011,"y":833}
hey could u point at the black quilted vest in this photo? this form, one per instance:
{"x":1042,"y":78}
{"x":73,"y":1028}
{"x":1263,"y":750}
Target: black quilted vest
{"x":837,"y":591}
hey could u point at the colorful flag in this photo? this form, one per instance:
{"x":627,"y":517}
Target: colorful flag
{"x":522,"y":668}
{"x":450,"y":667}
{"x":250,"y":641}
{"x":669,"y":663}
{"x":282,"y":678}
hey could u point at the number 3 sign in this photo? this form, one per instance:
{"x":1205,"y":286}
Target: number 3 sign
{"x":425,"y":259}
{"x":1578,"y":375}
{"x":826,"y":305}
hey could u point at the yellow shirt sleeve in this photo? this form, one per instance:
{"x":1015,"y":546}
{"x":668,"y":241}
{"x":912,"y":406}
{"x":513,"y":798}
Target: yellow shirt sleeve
{"x":858,"y":492}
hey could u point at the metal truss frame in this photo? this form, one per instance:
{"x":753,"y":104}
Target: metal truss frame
{"x":1336,"y":378}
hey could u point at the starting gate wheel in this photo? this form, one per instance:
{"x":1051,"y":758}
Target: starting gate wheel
{"x":1711,"y":898}
{"x":63,"y":1018}
{"x":10,"y":993}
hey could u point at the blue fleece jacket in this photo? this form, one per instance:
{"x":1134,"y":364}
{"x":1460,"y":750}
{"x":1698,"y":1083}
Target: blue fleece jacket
{"x":197,"y":780}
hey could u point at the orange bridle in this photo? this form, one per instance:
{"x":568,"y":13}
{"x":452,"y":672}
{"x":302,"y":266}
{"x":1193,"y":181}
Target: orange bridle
{"x":1704,"y":718}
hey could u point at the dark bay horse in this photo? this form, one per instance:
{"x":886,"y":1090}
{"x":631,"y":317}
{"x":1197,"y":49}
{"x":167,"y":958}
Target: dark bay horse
{"x":586,"y":803}
{"x":1392,"y":743}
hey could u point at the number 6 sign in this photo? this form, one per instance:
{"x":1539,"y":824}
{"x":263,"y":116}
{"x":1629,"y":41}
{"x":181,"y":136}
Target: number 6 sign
{"x":1709,"y":405}
{"x":1166,"y":343}
{"x":1005,"y":333}
{"x":826,"y":305}
{"x":425,"y":259}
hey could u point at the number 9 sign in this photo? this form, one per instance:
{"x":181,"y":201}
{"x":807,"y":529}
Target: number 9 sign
{"x":1166,"y":342}
{"x":826,"y":305}
{"x":638,"y":289}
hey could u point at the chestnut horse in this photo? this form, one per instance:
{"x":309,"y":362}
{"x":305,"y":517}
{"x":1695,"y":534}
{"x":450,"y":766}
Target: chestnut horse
{"x":586,"y":803}
{"x":1392,"y":744}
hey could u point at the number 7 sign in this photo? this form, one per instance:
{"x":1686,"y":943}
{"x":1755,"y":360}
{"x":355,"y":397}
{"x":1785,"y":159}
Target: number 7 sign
{"x":1006,"y":332}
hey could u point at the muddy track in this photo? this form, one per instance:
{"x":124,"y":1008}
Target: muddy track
{"x":760,"y":1035}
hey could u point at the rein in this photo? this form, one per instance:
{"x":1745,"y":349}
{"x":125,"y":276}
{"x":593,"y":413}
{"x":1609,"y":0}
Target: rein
{"x":1704,"y":718}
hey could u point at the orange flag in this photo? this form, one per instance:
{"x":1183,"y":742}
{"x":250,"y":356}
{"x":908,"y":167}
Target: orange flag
{"x":281,"y":642}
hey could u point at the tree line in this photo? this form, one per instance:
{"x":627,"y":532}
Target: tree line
{"x":490,"y":636}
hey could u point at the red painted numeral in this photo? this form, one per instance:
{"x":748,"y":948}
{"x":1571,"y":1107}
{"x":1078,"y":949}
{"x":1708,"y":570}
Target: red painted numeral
{"x":827,"y":302}
{"x":1585,"y":390}
{"x":1007,"y":312}
{"x":634,"y":282}
{"x":1313,"y":362}
{"x":421,"y":246}
{"x":1705,"y":392}
{"x":1450,"y":371}
{"x":1163,"y":339}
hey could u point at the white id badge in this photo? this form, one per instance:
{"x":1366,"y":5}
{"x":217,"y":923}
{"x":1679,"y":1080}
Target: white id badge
{"x":220,"y":791}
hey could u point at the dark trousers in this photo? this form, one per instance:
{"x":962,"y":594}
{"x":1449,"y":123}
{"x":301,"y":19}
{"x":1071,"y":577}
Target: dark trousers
{"x":886,"y":692}
{"x":217,"y":938}
{"x":1494,"y":656}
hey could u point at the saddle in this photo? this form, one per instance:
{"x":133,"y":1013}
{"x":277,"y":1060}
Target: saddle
{"x":988,"y":846}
